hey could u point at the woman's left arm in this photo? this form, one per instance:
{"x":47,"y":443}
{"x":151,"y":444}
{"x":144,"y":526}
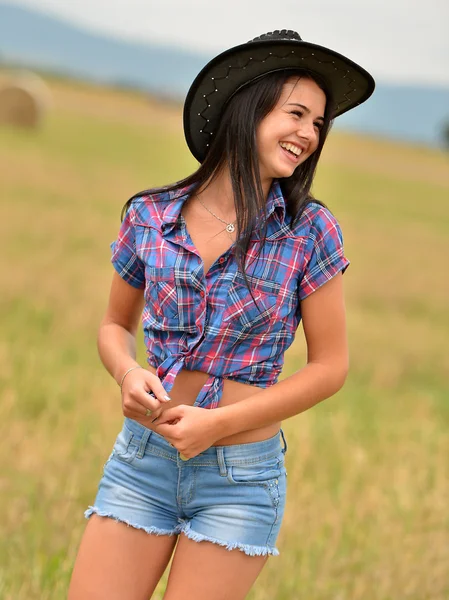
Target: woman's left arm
{"x":324,"y":323}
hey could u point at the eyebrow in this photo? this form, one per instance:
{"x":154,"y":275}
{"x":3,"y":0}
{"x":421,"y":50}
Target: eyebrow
{"x":307,"y":110}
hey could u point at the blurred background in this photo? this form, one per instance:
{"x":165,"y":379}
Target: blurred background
{"x":90,"y":113}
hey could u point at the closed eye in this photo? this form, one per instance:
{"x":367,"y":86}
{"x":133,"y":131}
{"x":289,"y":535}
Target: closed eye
{"x":317,"y":124}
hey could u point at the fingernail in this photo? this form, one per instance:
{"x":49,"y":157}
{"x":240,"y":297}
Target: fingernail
{"x":167,"y":398}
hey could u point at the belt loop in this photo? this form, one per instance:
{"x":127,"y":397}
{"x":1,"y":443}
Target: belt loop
{"x":285,"y":442}
{"x":221,"y":461}
{"x":143,"y":442}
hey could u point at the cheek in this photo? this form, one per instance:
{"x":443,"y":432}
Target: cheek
{"x":260,"y":140}
{"x":264,"y":143}
{"x":266,"y":132}
{"x":315,"y":143}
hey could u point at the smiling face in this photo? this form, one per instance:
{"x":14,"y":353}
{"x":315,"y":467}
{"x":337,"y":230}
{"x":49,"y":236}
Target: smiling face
{"x":290,"y":133}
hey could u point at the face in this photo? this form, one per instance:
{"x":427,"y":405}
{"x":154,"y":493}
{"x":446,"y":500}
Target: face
{"x":290,"y":133}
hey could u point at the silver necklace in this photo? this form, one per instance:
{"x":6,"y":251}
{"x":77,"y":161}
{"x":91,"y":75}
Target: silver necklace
{"x":230,"y":227}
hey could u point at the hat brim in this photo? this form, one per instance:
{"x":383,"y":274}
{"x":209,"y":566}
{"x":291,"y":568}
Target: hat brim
{"x":225,"y":74}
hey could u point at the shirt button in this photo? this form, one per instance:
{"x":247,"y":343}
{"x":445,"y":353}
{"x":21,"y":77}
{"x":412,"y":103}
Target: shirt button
{"x":221,"y":260}
{"x":202,"y":294}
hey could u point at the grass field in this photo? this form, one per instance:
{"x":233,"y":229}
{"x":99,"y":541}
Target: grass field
{"x":367,"y":515}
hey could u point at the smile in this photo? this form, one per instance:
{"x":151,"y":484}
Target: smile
{"x":292,"y":151}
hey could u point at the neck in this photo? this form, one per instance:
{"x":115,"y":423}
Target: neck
{"x":266,"y":186}
{"x":219,"y":192}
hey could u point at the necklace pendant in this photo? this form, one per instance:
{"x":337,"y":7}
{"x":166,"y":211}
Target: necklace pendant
{"x":230,"y":228}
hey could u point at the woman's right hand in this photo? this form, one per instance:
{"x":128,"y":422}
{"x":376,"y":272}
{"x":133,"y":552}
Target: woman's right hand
{"x":142,"y":391}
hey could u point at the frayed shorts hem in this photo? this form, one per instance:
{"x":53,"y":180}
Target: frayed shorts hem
{"x":93,"y":510}
{"x":185,"y":528}
{"x":246,"y":548}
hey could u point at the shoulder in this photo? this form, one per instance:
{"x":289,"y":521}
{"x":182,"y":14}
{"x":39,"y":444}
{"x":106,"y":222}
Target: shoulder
{"x":324,"y":254}
{"x":317,"y":221}
{"x":147,"y":207}
{"x":319,"y":216}
{"x":153,"y":207}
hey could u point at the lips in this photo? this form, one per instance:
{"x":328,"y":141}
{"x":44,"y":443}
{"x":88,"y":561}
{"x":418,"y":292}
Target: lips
{"x":291,"y":157}
{"x":292,"y":148}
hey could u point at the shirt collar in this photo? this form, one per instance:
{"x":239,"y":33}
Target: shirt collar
{"x":176,"y":198}
{"x":275,"y":201}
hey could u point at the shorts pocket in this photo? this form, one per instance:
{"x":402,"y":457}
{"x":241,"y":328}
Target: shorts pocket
{"x":126,"y":446}
{"x":262,"y":473}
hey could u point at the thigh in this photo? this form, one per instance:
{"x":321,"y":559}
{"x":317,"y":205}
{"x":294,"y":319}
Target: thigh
{"x":207,"y":571}
{"x":116,"y":562}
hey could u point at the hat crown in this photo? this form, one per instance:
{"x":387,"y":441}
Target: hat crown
{"x":278,"y":34}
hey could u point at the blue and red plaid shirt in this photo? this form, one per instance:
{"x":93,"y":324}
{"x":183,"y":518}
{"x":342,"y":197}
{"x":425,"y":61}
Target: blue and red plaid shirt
{"x":209,"y":321}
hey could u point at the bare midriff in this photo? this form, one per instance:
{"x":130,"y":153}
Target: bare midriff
{"x":186,"y":388}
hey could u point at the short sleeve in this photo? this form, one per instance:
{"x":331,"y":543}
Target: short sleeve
{"x":324,"y":253}
{"x":124,"y":258}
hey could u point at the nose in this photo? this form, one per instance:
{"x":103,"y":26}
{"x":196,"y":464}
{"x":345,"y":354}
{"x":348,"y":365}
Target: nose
{"x":307,"y":131}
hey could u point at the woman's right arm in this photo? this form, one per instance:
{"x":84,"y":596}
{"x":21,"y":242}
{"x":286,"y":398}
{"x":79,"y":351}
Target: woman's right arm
{"x":117,"y":350}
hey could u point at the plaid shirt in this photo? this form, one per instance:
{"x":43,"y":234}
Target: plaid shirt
{"x":209,"y":321}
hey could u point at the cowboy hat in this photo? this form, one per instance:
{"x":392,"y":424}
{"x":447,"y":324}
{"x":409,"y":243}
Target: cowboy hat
{"x":281,"y":50}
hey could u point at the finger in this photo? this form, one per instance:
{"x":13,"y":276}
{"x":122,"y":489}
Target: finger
{"x":140,"y":403}
{"x":136,"y":415}
{"x":170,"y":414}
{"x":140,"y":393}
{"x":157,"y":389}
{"x":154,"y":402}
{"x":152,"y":408}
{"x":139,"y":418}
{"x":166,"y":430}
{"x":163,"y":400}
{"x":148,"y":400}
{"x":157,"y":413}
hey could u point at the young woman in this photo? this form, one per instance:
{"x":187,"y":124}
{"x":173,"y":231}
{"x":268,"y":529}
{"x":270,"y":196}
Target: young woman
{"x":222,"y":267}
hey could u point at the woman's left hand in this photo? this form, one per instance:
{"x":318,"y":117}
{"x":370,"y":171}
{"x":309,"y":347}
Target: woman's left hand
{"x":190,"y":429}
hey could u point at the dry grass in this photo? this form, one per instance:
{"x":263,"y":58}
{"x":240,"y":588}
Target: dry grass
{"x":368,"y":471}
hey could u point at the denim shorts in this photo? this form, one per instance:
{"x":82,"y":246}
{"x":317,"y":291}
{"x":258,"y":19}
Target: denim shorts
{"x":233,"y":496}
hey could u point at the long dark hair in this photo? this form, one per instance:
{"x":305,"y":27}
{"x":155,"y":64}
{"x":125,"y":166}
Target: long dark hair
{"x":234,"y":145}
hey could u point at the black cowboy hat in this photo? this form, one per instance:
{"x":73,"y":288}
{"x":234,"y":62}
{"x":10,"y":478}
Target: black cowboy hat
{"x":281,"y":50}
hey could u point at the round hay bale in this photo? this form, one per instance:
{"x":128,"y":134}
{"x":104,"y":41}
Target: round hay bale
{"x":24,"y":100}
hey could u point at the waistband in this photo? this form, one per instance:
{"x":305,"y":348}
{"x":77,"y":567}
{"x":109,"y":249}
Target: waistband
{"x":236,"y":454}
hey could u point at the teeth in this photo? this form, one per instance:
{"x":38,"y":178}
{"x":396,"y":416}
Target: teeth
{"x":292,"y":148}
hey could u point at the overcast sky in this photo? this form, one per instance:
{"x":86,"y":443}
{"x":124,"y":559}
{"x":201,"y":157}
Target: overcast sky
{"x":397,"y":40}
